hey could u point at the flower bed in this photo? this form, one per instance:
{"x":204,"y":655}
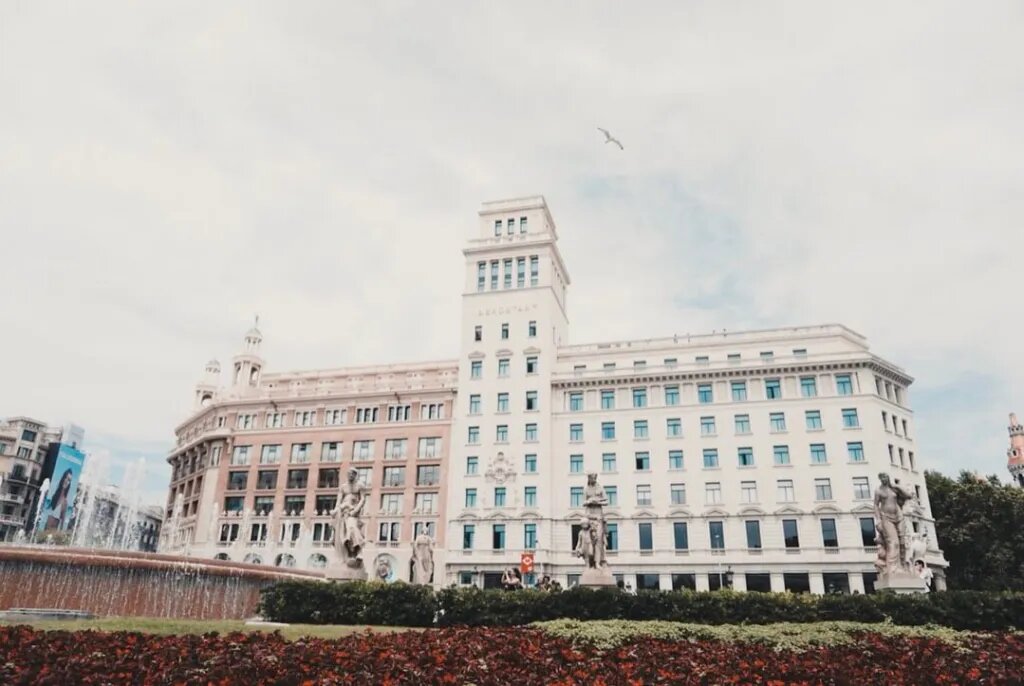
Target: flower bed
{"x":482,"y":656}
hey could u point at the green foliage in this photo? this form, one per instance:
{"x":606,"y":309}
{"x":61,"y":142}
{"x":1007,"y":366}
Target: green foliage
{"x":978,"y":527}
{"x":783,"y":636}
{"x":403,"y":605}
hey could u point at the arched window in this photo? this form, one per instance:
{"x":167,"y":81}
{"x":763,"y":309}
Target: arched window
{"x":253,"y":559}
{"x":284,"y":560}
{"x":317,"y":561}
{"x":221,"y":556}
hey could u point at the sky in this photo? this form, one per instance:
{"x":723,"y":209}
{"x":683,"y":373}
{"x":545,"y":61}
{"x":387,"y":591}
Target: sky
{"x":169,"y":169}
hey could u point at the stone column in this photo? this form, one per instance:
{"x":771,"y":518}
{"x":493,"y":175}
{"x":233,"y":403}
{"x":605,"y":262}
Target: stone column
{"x":856,"y":582}
{"x":702,"y":582}
{"x":739,"y":581}
{"x":817,"y":583}
{"x":778,"y":582}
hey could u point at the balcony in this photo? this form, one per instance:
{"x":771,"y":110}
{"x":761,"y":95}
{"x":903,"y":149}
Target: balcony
{"x":13,"y":520}
{"x":11,"y":498}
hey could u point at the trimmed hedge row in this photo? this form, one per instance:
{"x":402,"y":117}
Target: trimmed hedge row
{"x":401,"y":604}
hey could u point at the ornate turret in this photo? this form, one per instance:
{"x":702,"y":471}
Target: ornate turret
{"x":206,"y":389}
{"x":1015,"y":453}
{"x":248,"y":364}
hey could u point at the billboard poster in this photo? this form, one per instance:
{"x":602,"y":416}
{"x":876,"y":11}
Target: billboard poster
{"x":59,"y":500}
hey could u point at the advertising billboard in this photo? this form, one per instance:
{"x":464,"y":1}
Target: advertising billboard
{"x":59,"y":500}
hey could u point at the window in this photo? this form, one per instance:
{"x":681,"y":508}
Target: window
{"x":777,"y":421}
{"x":504,"y":331}
{"x":576,"y":464}
{"x":741,"y":423}
{"x":701,"y":359}
{"x":238,"y":481}
{"x":608,"y":462}
{"x":395,"y":449}
{"x":680,"y":536}
{"x":501,"y":433}
{"x":784,"y":491}
{"x":498,"y":537}
{"x":808,"y":386}
{"x":328,"y":478}
{"x":677,"y":494}
{"x":366,"y":415}
{"x":673,"y":427}
{"x":646,"y":537}
{"x":906,"y":434}
{"x":712,"y":493}
{"x":643,"y":494}
{"x":472,"y":465}
{"x":818,"y":454}
{"x":307,"y":418}
{"x":739,"y":390}
{"x":607,"y":400}
{"x":473,"y":435}
{"x":716,"y":531}
{"x":502,"y":402}
{"x":707,"y":426}
{"x":855,"y":449}
{"x":813,"y":419}
{"x":301,"y":452}
{"x":704,"y":394}
{"x":671,"y":395}
{"x":275,"y":420}
{"x":844,"y":384}
{"x":520,"y":272}
{"x":823,"y":489}
{"x":476,"y":368}
{"x":271,"y":454}
{"x":503,"y":364}
{"x":391,"y":504}
{"x":470,"y":497}
{"x":829,"y":536}
{"x":861,"y":488}
{"x":530,"y":496}
{"x":298,"y":478}
{"x":244,"y":421}
{"x":733,"y":358}
{"x":363,"y":475}
{"x":534,"y":270}
{"x":643,"y":461}
{"x":772,"y":389}
{"x":530,"y":433}
{"x":530,"y":463}
{"x":780,"y":454}
{"x":867,"y":532}
{"x":612,"y":541}
{"x":468,"y":532}
{"x":612,"y":493}
{"x":639,"y":397}
{"x":531,"y":329}
{"x":494,"y":274}
{"x":575,"y":402}
{"x":481,"y":275}
{"x":675,"y":459}
{"x":389,"y":532}
{"x":576,"y":432}
{"x":799,"y":352}
{"x":499,"y":496}
{"x":790,"y":533}
{"x":745,"y":457}
{"x":335,"y":416}
{"x":478,"y":333}
{"x":710,"y":458}
{"x":753,"y":534}
{"x":748,"y":491}
{"x":671,"y":362}
{"x":474,"y":404}
{"x":640,"y":428}
{"x":428,"y":475}
{"x":430,"y":447}
{"x":529,"y":536}
{"x":576,"y":496}
{"x":506,"y":272}
{"x":850,"y":420}
{"x":531,"y":401}
{"x":425,"y":503}
{"x":497,"y":227}
{"x":607,"y":431}
{"x":910,"y":458}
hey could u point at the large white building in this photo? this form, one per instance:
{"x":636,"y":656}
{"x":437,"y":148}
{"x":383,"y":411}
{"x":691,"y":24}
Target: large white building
{"x":747,"y":458}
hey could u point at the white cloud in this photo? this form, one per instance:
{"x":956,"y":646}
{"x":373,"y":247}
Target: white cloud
{"x":169,"y":171}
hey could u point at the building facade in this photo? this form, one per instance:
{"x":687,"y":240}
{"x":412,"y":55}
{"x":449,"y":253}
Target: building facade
{"x":25,"y":444}
{"x":258,"y":466}
{"x":743,"y":459}
{"x":1015,"y":453}
{"x":112,"y":521}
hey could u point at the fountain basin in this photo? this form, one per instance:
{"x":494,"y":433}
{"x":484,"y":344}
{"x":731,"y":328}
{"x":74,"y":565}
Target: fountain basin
{"x":124,"y":583}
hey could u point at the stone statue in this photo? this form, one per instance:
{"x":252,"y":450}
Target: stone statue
{"x":591,"y":543}
{"x":349,"y":534}
{"x":422,"y":559}
{"x":891,"y":529}
{"x":918,"y":547}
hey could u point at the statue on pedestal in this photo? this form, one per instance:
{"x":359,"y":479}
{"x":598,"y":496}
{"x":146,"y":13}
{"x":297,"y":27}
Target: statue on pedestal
{"x":349,"y":529}
{"x":591,"y":543}
{"x":422,"y":559}
{"x":894,"y":562}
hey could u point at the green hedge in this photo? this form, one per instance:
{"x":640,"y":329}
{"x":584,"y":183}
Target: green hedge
{"x":404,"y":605}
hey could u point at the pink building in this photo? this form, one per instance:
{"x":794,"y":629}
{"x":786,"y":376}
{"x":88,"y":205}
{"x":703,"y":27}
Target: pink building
{"x":1015,"y":453}
{"x":257,"y":467}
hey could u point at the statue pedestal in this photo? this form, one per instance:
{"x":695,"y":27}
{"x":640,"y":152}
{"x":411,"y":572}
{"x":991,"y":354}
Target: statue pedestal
{"x":339,"y":571}
{"x":900,"y":582}
{"x":597,"y":578}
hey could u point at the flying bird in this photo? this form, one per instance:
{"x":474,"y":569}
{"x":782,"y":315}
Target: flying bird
{"x":608,"y":138}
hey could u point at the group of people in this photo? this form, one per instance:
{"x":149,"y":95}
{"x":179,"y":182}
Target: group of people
{"x":512,"y":580}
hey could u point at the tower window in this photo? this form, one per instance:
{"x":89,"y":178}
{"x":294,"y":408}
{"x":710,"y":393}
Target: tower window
{"x":497,"y":227}
{"x":522,"y":225}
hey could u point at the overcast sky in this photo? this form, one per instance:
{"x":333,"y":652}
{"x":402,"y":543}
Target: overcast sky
{"x":169,"y":169}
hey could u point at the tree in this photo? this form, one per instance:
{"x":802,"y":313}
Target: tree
{"x":979,"y":526}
